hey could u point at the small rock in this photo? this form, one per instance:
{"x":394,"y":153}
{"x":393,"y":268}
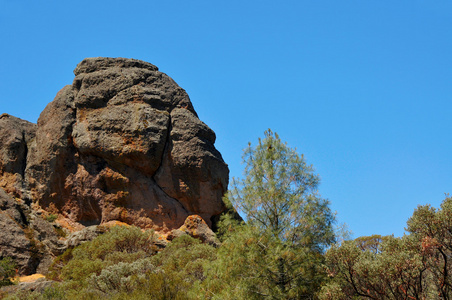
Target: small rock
{"x":196,"y":227}
{"x":85,"y":235}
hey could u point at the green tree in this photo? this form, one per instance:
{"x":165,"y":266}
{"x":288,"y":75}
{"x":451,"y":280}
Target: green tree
{"x":279,"y":195}
{"x":376,"y":268}
{"x":278,"y":253}
{"x":432,"y":228}
{"x":415,"y":266}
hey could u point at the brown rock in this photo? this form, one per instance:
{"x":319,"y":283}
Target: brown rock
{"x":26,"y":237}
{"x":52,"y":151}
{"x":196,"y":227}
{"x":192,"y":170}
{"x":123,"y":143}
{"x":16,"y":136}
{"x":15,"y":244}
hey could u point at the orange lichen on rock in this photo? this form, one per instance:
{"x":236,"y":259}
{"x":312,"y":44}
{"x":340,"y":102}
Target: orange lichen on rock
{"x":192,"y":224}
{"x":196,"y":227}
{"x":110,"y":224}
{"x":68,"y":224}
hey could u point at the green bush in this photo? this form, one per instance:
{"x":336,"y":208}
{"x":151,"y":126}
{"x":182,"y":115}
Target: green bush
{"x":119,"y":245}
{"x":51,"y":218}
{"x":182,"y":252}
{"x":415,"y":266}
{"x":183,"y":263}
{"x":7,"y":271}
{"x":55,"y":269}
{"x":123,"y":264}
{"x":121,"y":277}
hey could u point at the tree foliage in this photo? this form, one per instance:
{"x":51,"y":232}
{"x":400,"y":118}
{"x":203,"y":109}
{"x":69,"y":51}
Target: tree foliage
{"x":278,"y":253}
{"x":415,"y":266}
{"x":279,"y":195}
{"x":284,"y":250}
{"x":253,"y":265}
{"x":432,"y":229}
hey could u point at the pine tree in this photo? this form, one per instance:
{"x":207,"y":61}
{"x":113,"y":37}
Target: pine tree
{"x":279,"y":195}
{"x":279,"y":252}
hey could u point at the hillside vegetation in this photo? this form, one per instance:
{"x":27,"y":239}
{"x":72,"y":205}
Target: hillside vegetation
{"x":286,"y":249}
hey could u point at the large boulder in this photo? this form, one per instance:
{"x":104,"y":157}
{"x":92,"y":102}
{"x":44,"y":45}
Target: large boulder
{"x":123,"y":143}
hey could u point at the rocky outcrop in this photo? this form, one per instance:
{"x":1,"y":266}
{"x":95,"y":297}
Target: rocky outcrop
{"x":26,"y":237}
{"x":123,"y":143}
{"x":16,"y":135}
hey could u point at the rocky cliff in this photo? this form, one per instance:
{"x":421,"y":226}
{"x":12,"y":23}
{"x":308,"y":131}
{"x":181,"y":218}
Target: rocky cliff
{"x":124,"y":143}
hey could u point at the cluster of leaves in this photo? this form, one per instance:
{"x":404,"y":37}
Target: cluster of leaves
{"x":415,"y":266}
{"x":119,"y":244}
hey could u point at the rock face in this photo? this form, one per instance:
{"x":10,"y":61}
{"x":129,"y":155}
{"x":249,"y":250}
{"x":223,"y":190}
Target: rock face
{"x":16,"y":135}
{"x":26,"y":237}
{"x":124,"y":143}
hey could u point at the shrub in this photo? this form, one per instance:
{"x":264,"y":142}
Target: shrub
{"x":183,"y":252}
{"x":51,"y":218}
{"x":121,"y":277}
{"x":7,"y":271}
{"x":119,"y":244}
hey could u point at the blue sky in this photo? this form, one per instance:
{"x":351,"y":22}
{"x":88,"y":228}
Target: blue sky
{"x":361,"y":87}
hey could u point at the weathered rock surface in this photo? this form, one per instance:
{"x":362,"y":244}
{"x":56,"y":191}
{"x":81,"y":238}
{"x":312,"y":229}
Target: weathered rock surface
{"x":16,"y":136}
{"x":124,"y":143}
{"x":196,"y":227}
{"x":39,"y":286}
{"x":26,"y":237}
{"x":87,"y":234}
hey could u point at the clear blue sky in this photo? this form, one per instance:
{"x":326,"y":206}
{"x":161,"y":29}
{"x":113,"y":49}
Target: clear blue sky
{"x":361,"y":87}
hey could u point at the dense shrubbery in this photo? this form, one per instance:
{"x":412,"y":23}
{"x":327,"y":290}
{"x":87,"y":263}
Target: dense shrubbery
{"x":124,"y":264}
{"x":285,"y":250}
{"x":415,"y":266}
{"x":121,"y":277}
{"x":119,"y":245}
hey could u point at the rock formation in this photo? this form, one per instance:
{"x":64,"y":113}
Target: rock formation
{"x":16,"y":135}
{"x":26,"y":237}
{"x":196,"y":227}
{"x":124,"y":143}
